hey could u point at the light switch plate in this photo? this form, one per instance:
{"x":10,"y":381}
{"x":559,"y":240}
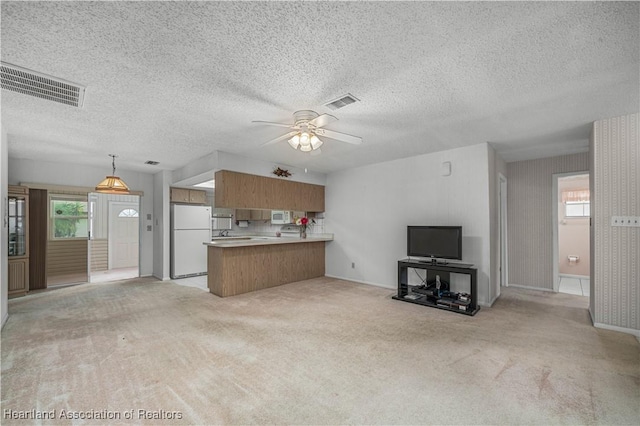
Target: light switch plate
{"x":625,"y":221}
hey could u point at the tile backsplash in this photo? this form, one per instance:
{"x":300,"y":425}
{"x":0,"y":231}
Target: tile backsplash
{"x":265,"y":227}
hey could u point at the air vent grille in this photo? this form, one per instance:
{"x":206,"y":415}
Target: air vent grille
{"x":342,"y":101}
{"x":27,"y":82}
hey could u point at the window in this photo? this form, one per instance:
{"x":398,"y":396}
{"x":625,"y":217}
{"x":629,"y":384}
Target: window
{"x":68,"y":217}
{"x":128,"y":213}
{"x":577,"y":209}
{"x":576,"y":203}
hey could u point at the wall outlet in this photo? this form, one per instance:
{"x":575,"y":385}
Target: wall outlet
{"x":625,"y":221}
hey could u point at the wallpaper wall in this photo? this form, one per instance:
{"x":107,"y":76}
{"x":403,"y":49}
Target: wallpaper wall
{"x":530,"y":219}
{"x":615,"y":272}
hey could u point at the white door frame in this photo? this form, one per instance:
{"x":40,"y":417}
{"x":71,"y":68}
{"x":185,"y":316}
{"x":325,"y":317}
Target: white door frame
{"x":556,"y":231}
{"x":110,"y":227}
{"x":503,"y":241}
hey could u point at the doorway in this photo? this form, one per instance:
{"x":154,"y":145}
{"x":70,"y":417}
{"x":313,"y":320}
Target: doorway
{"x":115,"y":235}
{"x":571,"y":255}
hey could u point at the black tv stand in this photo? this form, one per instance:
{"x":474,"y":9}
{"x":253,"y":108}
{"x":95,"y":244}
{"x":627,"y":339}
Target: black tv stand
{"x":426,"y":296}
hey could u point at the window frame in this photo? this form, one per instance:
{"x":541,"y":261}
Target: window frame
{"x":52,"y":217}
{"x":586,"y":209}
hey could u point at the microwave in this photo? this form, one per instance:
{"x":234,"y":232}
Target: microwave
{"x":281,"y":217}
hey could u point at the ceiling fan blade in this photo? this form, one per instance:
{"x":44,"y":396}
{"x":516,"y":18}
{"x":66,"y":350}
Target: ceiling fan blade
{"x":279,"y":138}
{"x":356,"y":140}
{"x":271,"y":123}
{"x":323,"y":120}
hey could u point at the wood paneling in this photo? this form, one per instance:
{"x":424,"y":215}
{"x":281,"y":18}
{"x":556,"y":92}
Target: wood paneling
{"x":38,"y":207}
{"x":237,"y":270}
{"x":245,"y":191}
{"x":66,"y":257}
{"x":530,"y":218}
{"x":99,"y":255}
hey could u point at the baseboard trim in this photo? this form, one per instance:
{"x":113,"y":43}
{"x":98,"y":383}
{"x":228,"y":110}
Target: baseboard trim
{"x":361,"y":282}
{"x":582,"y":277}
{"x":616,"y":328}
{"x":531,"y":288}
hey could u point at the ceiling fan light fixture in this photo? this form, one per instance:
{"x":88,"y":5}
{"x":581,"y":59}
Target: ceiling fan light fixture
{"x":294,"y":141}
{"x":304,"y":139}
{"x":315,"y":142}
{"x":112,"y":184}
{"x":305,"y":148}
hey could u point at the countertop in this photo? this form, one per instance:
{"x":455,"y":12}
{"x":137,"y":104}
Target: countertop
{"x":258,"y":240}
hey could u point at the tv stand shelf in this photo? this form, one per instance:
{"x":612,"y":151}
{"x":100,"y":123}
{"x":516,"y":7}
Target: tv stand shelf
{"x":444,"y":270}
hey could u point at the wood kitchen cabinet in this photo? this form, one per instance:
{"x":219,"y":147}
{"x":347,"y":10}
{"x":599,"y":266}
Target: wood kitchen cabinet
{"x":260,"y":214}
{"x":253,"y":214}
{"x":243,"y":214}
{"x":197,"y":197}
{"x":18,"y":251}
{"x":245,"y":191}
{"x":188,"y":196}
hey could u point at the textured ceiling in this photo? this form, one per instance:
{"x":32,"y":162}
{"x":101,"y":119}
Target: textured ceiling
{"x":175,"y":81}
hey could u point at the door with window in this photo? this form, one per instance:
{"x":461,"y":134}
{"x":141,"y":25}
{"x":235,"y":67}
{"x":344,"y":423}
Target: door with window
{"x":123,"y":235}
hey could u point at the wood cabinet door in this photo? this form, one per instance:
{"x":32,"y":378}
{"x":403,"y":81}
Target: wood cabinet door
{"x":18,"y":276}
{"x":260,"y":214}
{"x":243,"y":214}
{"x":197,"y":197}
{"x":179,"y":195}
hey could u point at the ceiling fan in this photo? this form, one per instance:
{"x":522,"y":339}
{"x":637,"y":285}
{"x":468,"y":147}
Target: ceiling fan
{"x":307,"y":126}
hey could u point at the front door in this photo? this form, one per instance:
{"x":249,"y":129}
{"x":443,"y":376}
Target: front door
{"x":123,"y":235}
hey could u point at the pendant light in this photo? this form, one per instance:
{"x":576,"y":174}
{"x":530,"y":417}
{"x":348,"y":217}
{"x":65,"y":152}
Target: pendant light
{"x":112,"y":184}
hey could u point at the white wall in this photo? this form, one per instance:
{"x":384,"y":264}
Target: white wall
{"x":4,"y":239}
{"x":369,"y":208}
{"x":161,"y":225}
{"x":69,"y":174}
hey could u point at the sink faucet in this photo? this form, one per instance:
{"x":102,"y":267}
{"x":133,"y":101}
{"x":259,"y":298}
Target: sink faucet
{"x":223,"y":233}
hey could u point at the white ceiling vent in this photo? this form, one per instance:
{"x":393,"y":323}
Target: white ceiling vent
{"x":27,"y":82}
{"x":342,"y":101}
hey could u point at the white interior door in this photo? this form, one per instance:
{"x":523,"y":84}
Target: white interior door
{"x":124,"y":228}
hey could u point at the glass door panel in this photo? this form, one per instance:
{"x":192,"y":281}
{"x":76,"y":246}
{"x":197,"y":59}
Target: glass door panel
{"x":17,"y":226}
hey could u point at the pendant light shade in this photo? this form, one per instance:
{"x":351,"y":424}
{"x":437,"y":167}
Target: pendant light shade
{"x":112,"y":184}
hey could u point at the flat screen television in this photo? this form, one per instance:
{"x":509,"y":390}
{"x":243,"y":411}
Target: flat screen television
{"x":444,"y":242}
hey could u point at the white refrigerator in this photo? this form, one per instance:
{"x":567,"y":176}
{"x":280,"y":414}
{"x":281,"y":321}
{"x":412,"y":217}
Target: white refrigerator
{"x":190,"y":227}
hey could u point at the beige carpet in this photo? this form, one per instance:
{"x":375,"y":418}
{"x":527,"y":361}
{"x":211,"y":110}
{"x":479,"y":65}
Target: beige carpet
{"x":321,"y":351}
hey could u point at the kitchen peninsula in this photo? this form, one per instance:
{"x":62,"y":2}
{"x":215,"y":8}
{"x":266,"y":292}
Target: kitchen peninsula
{"x":241,"y":265}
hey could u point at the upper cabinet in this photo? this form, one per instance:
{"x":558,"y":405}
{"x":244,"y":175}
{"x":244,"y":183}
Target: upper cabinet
{"x":245,"y":191}
{"x":188,"y":196}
